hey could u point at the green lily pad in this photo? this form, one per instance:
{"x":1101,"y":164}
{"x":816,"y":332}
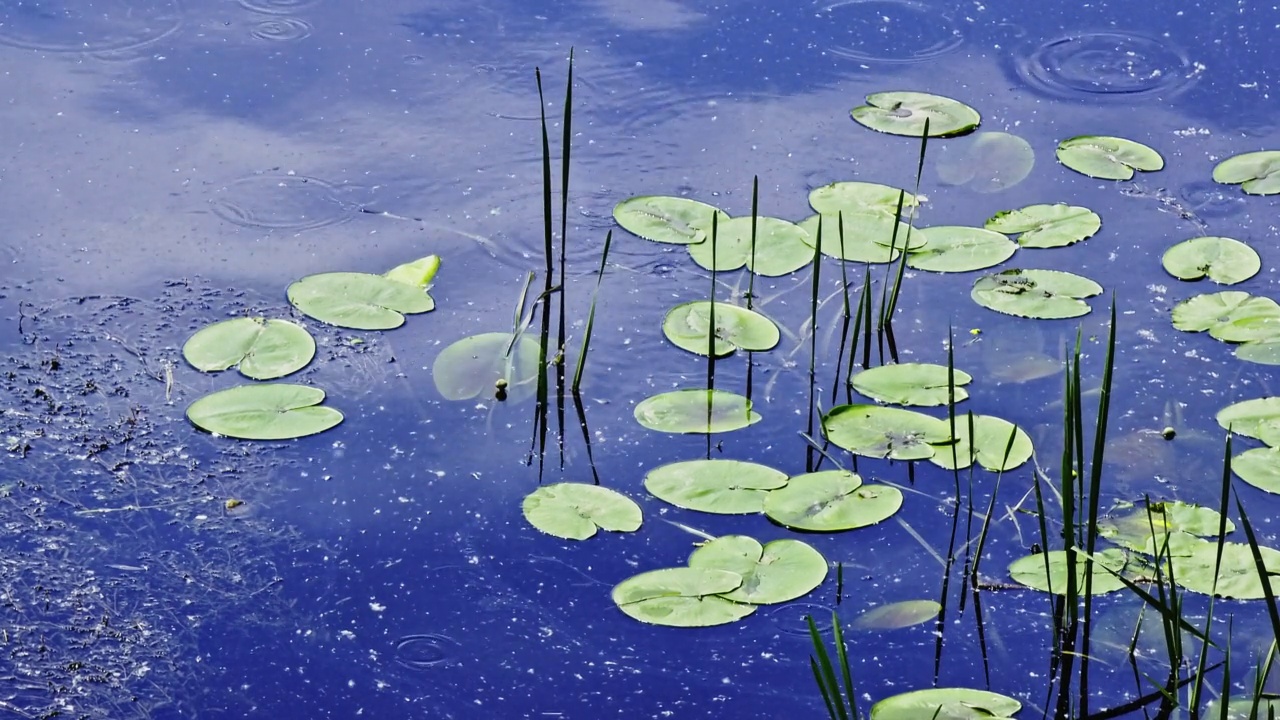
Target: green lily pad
{"x":1260,"y":467}
{"x":1030,"y":571}
{"x":945,"y":704}
{"x":263,"y":349}
{"x":681,"y":597}
{"x":1230,"y":316}
{"x":831,"y":501}
{"x":955,"y":248}
{"x":272,"y":411}
{"x":696,"y":411}
{"x":920,"y":384}
{"x":1258,"y":418}
{"x":898,"y":615}
{"x":1043,"y":294}
{"x":1257,"y":173}
{"x":782,"y":247}
{"x":1243,"y":708}
{"x":1047,"y":226}
{"x":859,"y":198}
{"x":575,"y":511}
{"x":904,"y":113}
{"x":727,"y":487}
{"x":991,"y":162}
{"x":473,"y":366}
{"x":1156,"y":528}
{"x":884,"y":432}
{"x":418,"y":273}
{"x":666,"y":219}
{"x":988,"y":446}
{"x":358,"y":300}
{"x":1107,"y":158}
{"x":1238,"y":575}
{"x":775,"y":573}
{"x":687,"y":326}
{"x":1263,"y":352}
{"x":1221,"y":259}
{"x":868,"y":237}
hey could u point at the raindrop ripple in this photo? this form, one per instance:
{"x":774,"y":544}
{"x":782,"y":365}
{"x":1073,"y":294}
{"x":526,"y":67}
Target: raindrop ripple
{"x":1116,"y":64}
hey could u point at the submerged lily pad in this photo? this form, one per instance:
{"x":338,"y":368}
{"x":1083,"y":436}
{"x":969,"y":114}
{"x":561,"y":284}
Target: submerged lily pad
{"x":945,"y":703}
{"x":884,"y":432}
{"x":855,"y":198}
{"x":920,"y":384}
{"x":1257,"y":173}
{"x":272,"y":411}
{"x":575,"y":511}
{"x":1107,"y":158}
{"x":989,"y":445}
{"x":782,"y":247}
{"x":358,"y":300}
{"x":904,"y":113}
{"x":775,"y":573}
{"x":868,"y":237}
{"x":1043,"y":294}
{"x":687,"y":326}
{"x":1030,"y":571}
{"x":1047,"y":226}
{"x":477,"y":365}
{"x":1221,"y":259}
{"x":681,"y":597}
{"x":955,"y":248}
{"x":1154,"y":528}
{"x":1230,"y":316}
{"x":263,"y":349}
{"x":898,"y":615}
{"x":991,"y":162}
{"x":729,"y":487}
{"x":696,"y":411}
{"x":666,"y":219}
{"x":831,"y":501}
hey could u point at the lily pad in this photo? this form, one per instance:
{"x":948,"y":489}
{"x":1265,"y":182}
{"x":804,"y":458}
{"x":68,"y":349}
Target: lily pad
{"x":271,"y":411}
{"x":955,"y":248}
{"x":1260,"y":467}
{"x":1257,"y":173}
{"x":358,"y":300}
{"x":1107,"y":158}
{"x":418,"y":273}
{"x":1154,"y":529}
{"x":696,"y":411}
{"x":884,"y":432}
{"x":681,"y":597}
{"x":988,"y":446}
{"x":1238,"y":575}
{"x":728,"y":487}
{"x":1258,"y":418}
{"x":1221,"y":259}
{"x":904,"y":113}
{"x":575,"y":511}
{"x":687,"y":326}
{"x":1043,"y":294}
{"x":666,"y":219}
{"x":920,"y":384}
{"x":1030,"y":571}
{"x":477,"y":365}
{"x":1047,"y":226}
{"x":1263,"y":352}
{"x":831,"y":501}
{"x":263,"y":349}
{"x":990,"y":162}
{"x":782,"y":247}
{"x":898,"y":615}
{"x":1230,"y":316}
{"x":868,"y":237}
{"x":775,"y":573}
{"x":945,"y":703}
{"x":857,"y":198}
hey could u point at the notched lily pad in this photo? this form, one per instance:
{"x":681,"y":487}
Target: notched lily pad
{"x":884,"y":432}
{"x":696,"y":411}
{"x":667,"y":219}
{"x":774,"y":573}
{"x":994,"y":443}
{"x":1230,"y":316}
{"x":688,"y":327}
{"x":1047,"y":226}
{"x":681,"y":597}
{"x":904,"y":113}
{"x":1108,"y":158}
{"x":271,"y":411}
{"x":262,"y":349}
{"x":1155,"y":528}
{"x":1042,"y":294}
{"x":1221,"y":259}
{"x":948,"y":703}
{"x":868,"y":237}
{"x":919,"y":384}
{"x":1257,"y":173}
{"x":575,"y":511}
{"x":360,"y":301}
{"x":729,"y":487}
{"x":853,"y":198}
{"x":1031,"y":571}
{"x":831,"y":501}
{"x":954,"y":248}
{"x":1258,"y":418}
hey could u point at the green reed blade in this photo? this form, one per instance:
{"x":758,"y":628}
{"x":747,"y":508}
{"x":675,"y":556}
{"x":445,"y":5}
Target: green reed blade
{"x":813,"y":339}
{"x":591,"y":314}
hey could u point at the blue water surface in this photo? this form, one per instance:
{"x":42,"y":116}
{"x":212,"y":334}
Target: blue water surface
{"x":169,"y":163}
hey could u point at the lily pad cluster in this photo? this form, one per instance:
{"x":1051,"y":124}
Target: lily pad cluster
{"x":1234,"y":316}
{"x":726,"y":580}
{"x":269,"y":348}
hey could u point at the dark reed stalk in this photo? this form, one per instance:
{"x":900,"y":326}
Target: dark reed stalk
{"x":945,"y":595}
{"x":544,"y":335}
{"x":813,"y":341}
{"x":751,"y":279}
{"x":711,"y":330}
{"x":1224,"y":503}
{"x":892,"y":307}
{"x":865,"y":315}
{"x":884,"y":289}
{"x":591,"y":315}
{"x":839,"y":582}
{"x":565,"y":147}
{"x":846,"y":311}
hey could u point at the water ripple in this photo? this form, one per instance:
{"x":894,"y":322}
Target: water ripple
{"x":277,"y":7}
{"x":281,"y":202}
{"x":82,"y":26}
{"x":281,"y":29}
{"x":425,"y":651}
{"x":1118,"y":64}
{"x":889,"y":31}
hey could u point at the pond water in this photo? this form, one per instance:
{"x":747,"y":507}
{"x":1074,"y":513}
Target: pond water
{"x":169,"y":164}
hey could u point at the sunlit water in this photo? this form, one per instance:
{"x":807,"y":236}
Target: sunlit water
{"x":169,"y":164}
